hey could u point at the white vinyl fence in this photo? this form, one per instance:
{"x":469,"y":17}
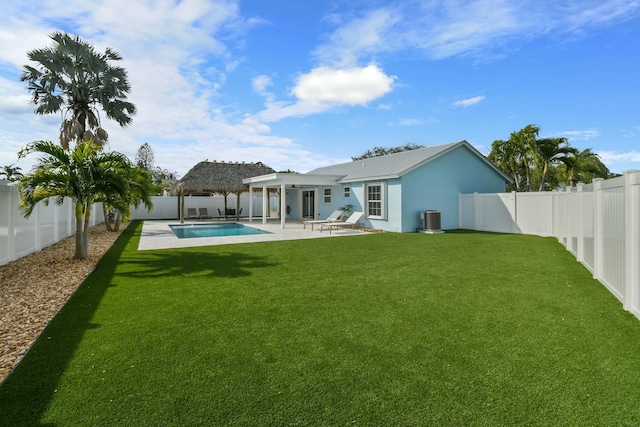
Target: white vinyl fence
{"x":167,"y":207}
{"x":47,"y":225}
{"x":20,"y":236}
{"x":598,"y":223}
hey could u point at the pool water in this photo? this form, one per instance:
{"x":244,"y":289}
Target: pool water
{"x":189,"y":231}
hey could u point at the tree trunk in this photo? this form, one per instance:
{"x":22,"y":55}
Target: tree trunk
{"x":105,"y":213}
{"x":79,"y":233}
{"x":85,"y":231}
{"x":545,"y":170}
{"x":237,"y":206}
{"x":516,"y":181}
{"x":116,"y":226}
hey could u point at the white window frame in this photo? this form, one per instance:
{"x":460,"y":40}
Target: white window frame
{"x":382,"y":202}
{"x":326,"y":195}
{"x":346,"y":192}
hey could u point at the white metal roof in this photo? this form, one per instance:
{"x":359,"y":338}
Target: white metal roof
{"x":374,"y":168}
{"x":394,"y":165}
{"x":275,"y":179}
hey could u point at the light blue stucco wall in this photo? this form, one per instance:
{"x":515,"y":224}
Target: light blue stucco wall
{"x":436,"y":185}
{"x":393,"y":206}
{"x":292,"y":202}
{"x":323,"y":209}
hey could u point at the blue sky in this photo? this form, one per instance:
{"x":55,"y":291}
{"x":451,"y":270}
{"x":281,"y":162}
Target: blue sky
{"x":303,"y":84}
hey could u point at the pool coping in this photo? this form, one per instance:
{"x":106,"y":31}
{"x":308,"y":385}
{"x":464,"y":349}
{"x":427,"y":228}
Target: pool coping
{"x":156,"y":234}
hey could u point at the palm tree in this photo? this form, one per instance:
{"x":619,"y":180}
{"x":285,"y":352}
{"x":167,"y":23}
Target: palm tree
{"x":524,"y":144}
{"x":86,"y":174}
{"x":505,"y":156}
{"x":11,"y":172}
{"x":140,"y":187}
{"x":72,"y":78}
{"x":549,"y":151}
{"x":583,"y":166}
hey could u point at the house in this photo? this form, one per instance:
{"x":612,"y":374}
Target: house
{"x":393,"y":190}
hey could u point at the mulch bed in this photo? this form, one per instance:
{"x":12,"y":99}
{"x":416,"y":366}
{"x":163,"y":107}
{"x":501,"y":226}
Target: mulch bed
{"x":34,"y":288}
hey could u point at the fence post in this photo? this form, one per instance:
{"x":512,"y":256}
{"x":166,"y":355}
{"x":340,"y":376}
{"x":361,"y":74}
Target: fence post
{"x":570,"y":224}
{"x":580,"y":233}
{"x":598,"y":243}
{"x":11,"y":232}
{"x":554,"y":214}
{"x":459,"y":210}
{"x":476,"y":208}
{"x":632,"y":243}
{"x":37,"y":235}
{"x":513,"y":198}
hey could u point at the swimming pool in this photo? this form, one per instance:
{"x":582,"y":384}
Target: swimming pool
{"x":189,"y":231}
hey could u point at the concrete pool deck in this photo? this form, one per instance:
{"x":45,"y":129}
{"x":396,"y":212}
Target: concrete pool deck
{"x":158,"y":235}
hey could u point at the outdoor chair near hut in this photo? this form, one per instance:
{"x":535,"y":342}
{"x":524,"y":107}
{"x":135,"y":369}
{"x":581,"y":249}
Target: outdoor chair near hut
{"x":192,"y":214}
{"x":204,"y":214}
{"x":227,"y":212}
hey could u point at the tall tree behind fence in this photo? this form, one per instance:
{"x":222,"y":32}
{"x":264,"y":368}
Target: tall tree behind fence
{"x":20,"y":236}
{"x":598,"y":223}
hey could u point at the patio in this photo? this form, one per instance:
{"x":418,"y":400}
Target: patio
{"x":158,"y":235}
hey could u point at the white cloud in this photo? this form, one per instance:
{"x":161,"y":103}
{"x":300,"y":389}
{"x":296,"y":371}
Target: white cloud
{"x":256,"y":125}
{"x":353,"y":86}
{"x":614,"y":157}
{"x":358,"y":36}
{"x":441,"y":29}
{"x":578,"y":15}
{"x":261,"y":83}
{"x":13,"y":98}
{"x":325,"y":88}
{"x":620,"y":161}
{"x":469,"y":101}
{"x":581,"y":134}
{"x":406,"y":122}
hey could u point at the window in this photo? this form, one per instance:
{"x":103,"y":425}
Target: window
{"x":375,"y":202}
{"x":346,"y":192}
{"x":327,"y":195}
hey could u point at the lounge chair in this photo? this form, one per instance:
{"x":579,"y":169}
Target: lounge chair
{"x":203,"y":213}
{"x":351,"y":222}
{"x":331,"y":218}
{"x":192,"y":214}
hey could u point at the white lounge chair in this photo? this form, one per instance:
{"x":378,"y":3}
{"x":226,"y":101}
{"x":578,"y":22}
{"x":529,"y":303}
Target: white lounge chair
{"x":204,"y":214}
{"x":331,"y":218}
{"x":351,"y":222}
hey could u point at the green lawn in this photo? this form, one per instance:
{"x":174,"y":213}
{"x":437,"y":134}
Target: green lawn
{"x":389,"y":329}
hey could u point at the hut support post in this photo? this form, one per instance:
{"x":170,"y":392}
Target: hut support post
{"x":250,"y":203}
{"x":283,"y":205}
{"x":237,"y":193}
{"x":265,"y":207}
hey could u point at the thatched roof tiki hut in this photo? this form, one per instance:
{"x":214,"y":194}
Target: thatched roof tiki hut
{"x":223,"y":178}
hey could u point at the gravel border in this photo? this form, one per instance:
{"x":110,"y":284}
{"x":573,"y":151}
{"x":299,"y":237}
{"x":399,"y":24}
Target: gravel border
{"x":34,"y":288}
